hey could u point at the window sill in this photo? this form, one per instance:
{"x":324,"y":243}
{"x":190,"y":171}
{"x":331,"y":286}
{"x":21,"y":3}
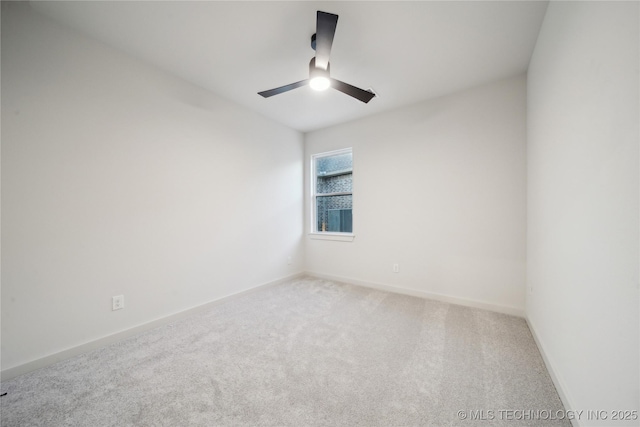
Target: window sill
{"x":337,"y":237}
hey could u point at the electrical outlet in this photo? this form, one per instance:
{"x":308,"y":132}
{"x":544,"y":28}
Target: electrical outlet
{"x":396,"y":268}
{"x":117,"y":302}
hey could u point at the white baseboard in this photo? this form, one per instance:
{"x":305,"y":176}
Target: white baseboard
{"x":555,"y":377}
{"x":513,"y":311}
{"x":13,"y":372}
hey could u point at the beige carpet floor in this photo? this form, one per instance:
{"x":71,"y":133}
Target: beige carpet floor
{"x":308,"y":352}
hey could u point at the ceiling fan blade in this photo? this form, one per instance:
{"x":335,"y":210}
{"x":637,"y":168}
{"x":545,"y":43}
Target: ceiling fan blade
{"x":360,"y":94}
{"x":282,"y":89}
{"x":325,"y":30}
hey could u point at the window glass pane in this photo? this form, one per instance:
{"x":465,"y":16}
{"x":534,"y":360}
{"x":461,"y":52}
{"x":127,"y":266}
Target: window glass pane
{"x":333,"y":175}
{"x":330,"y":165}
{"x":334,"y":213}
{"x":342,"y":183}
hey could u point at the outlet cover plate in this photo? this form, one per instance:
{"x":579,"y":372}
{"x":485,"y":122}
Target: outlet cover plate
{"x":117,"y":302}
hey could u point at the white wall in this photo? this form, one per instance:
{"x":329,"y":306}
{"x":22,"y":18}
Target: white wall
{"x":120,"y":179}
{"x":440,"y":190}
{"x":583,"y":215}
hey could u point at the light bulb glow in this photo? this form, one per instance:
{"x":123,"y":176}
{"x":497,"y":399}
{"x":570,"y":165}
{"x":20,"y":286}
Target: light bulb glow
{"x":319,"y":83}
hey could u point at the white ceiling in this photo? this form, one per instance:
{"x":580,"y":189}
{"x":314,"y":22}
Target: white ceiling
{"x":406,"y":51}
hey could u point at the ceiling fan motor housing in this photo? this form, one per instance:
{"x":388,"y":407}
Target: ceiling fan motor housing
{"x":317,"y":71}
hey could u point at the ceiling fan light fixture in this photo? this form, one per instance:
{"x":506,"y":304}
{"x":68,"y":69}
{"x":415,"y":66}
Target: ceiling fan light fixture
{"x":318,"y":77}
{"x":319,"y":83}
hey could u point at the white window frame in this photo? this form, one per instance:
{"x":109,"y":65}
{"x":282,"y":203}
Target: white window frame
{"x":328,"y":235}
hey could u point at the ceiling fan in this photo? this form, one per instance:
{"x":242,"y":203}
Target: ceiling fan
{"x":319,"y":77}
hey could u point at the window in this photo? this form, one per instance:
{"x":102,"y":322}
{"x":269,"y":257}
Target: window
{"x":332,"y":192}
